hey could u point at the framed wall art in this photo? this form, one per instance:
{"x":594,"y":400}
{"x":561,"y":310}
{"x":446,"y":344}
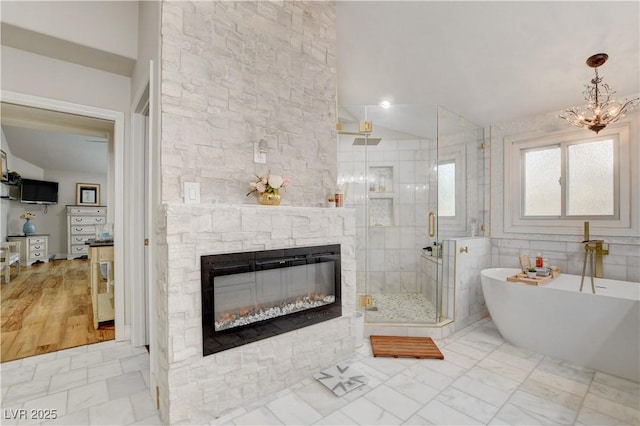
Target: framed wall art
{"x":87,"y":194}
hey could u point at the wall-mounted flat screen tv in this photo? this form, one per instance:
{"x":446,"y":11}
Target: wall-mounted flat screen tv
{"x":38,"y":192}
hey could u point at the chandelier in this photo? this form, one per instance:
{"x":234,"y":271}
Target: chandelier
{"x":601,"y":109}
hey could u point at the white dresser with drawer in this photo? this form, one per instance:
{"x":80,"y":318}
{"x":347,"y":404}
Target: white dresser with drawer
{"x":81,"y":226}
{"x":33,"y":248}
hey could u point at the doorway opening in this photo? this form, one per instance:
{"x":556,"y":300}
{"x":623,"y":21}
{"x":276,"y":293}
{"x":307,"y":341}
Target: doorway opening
{"x":47,"y":306}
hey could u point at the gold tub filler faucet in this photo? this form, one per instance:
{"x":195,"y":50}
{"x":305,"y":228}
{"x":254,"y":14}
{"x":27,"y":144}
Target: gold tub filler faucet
{"x":593,"y":250}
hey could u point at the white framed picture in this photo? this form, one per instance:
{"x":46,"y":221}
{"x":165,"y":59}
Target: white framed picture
{"x":87,"y":194}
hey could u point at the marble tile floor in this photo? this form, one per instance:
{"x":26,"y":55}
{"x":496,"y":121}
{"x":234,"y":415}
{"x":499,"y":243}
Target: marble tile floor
{"x":104,"y":383}
{"x":482,"y":380}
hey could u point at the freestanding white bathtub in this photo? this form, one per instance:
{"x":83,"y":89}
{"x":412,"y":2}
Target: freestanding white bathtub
{"x":600,"y":331}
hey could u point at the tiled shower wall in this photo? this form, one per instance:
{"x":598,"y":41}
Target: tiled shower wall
{"x":458,"y":270}
{"x":471,"y":256}
{"x":393,"y":251}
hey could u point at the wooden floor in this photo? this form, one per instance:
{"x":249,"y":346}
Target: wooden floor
{"x":46,"y":308}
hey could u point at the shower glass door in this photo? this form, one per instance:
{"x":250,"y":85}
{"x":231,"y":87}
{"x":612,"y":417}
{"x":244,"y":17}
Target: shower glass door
{"x":459,"y":202}
{"x":387,"y":172}
{"x":460,"y":174}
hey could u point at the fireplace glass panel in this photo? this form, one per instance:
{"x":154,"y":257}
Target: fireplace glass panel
{"x":254,"y":295}
{"x":250,"y":297}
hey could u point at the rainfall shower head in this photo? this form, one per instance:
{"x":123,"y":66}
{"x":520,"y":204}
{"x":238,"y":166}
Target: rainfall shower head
{"x":366,"y":141}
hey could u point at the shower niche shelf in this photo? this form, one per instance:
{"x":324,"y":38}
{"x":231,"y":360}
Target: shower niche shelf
{"x":380,"y":179}
{"x":381,"y":196}
{"x":381,"y":211}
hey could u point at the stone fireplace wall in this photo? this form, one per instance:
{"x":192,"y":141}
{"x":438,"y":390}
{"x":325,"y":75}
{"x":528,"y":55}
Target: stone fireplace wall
{"x":201,"y":388}
{"x":233,"y":73}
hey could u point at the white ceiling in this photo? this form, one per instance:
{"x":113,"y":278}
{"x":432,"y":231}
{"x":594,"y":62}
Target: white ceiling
{"x":490,"y":62}
{"x":56,"y":141}
{"x":58,"y":151}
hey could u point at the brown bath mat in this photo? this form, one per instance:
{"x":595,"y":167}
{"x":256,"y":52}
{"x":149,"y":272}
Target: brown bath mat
{"x":417,"y":347}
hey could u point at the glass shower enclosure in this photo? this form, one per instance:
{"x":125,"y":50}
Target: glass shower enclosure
{"x":391,"y":164}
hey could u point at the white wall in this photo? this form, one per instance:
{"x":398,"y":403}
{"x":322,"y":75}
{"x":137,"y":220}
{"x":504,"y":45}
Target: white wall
{"x":148,"y":50}
{"x":148,"y":46}
{"x":26,"y":170}
{"x":30,"y":74}
{"x":104,"y":25}
{"x":37,"y":75}
{"x":5,"y":203}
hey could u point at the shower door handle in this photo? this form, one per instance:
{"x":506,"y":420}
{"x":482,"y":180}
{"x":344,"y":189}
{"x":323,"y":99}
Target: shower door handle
{"x":432,"y":224}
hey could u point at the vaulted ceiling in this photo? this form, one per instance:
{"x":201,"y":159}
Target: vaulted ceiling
{"x":491,"y":62}
{"x":488,"y":61}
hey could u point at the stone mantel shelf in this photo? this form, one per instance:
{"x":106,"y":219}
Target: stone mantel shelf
{"x":220,"y":228}
{"x":281,"y":208}
{"x":261,"y":206}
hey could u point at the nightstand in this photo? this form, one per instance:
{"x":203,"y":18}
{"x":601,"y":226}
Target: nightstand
{"x":33,"y":248}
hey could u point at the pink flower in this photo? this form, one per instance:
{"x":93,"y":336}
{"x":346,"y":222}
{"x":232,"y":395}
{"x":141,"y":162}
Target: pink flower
{"x":275,"y":181}
{"x":269,"y":183}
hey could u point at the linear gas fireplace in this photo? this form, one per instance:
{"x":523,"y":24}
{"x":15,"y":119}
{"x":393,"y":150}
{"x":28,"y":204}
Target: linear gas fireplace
{"x":251,"y":296}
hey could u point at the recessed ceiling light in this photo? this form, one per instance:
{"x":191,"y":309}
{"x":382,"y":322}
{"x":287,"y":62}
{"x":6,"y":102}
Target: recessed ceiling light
{"x":385,"y":104}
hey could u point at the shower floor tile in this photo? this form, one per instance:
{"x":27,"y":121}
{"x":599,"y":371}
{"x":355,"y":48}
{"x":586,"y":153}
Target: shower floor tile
{"x":401,"y":308}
